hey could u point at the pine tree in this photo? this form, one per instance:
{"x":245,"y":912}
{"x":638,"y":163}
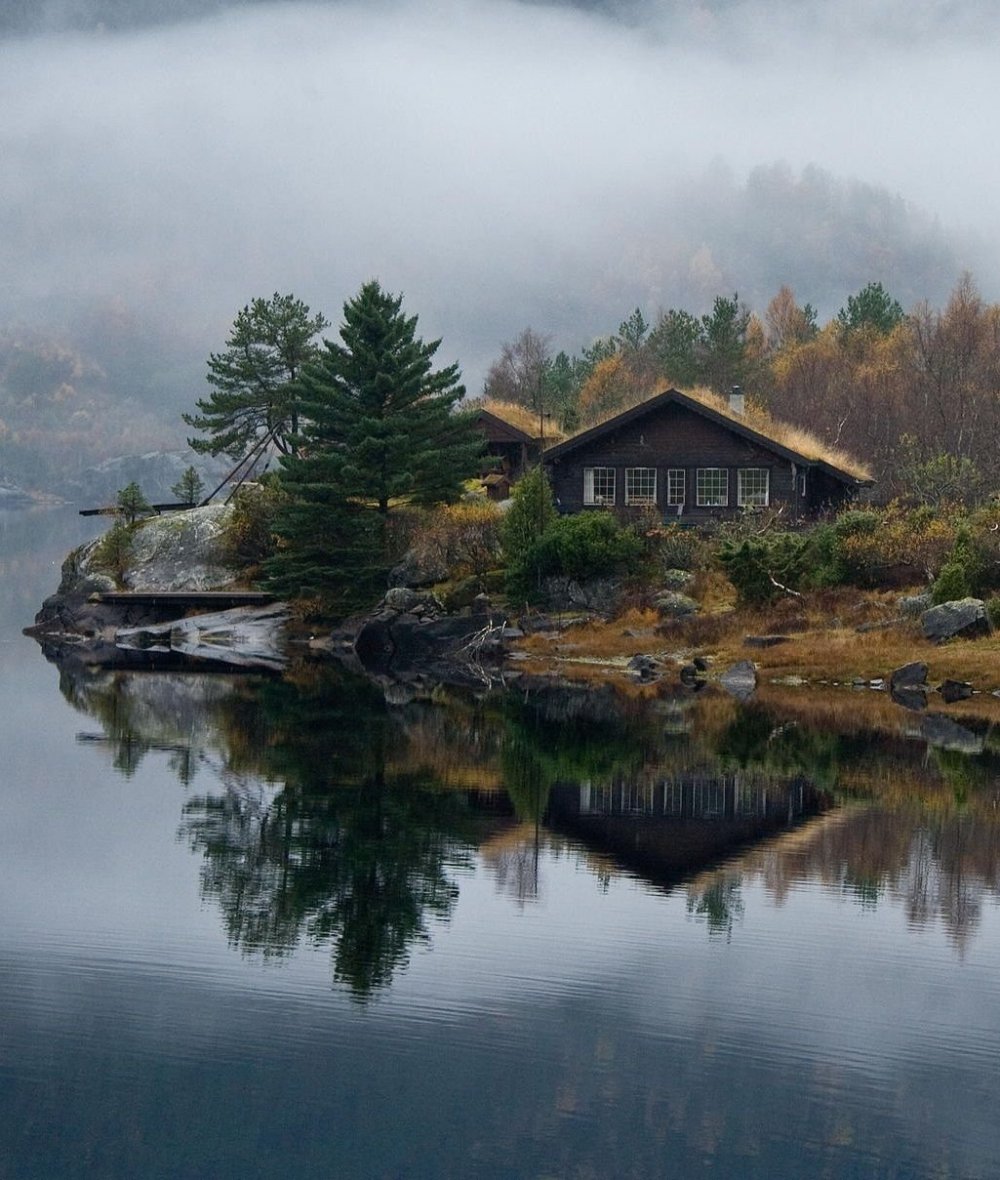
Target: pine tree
{"x":131,"y":502}
{"x":380,"y":430}
{"x":253,"y":396}
{"x":189,"y":488}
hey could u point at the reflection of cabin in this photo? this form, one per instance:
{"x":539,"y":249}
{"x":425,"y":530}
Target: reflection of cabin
{"x":669,"y":829}
{"x":697,"y":456}
{"x":509,"y":451}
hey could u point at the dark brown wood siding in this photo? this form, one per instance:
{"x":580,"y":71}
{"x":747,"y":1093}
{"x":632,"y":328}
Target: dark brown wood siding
{"x":673,"y":437}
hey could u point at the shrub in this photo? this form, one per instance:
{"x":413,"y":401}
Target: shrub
{"x":113,"y":551}
{"x":759,"y":568}
{"x":676,"y":547}
{"x":463,"y":537}
{"x":248,"y":537}
{"x":589,"y":545}
{"x":884,"y":548}
{"x":963,"y":574}
{"x":531,"y":512}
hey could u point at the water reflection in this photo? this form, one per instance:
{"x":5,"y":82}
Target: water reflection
{"x":323,"y":815}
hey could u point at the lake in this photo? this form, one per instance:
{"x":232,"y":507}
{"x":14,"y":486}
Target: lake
{"x":258,"y":926}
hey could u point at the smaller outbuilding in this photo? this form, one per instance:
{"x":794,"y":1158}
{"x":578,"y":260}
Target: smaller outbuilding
{"x":699,"y":457}
{"x":514,"y":440}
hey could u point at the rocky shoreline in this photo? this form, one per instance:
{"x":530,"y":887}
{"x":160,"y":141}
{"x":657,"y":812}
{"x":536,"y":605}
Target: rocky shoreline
{"x":409,"y":637}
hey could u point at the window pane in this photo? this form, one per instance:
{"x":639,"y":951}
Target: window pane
{"x":713,"y":487}
{"x":640,"y":485}
{"x":598,"y":485}
{"x":753,"y":485}
{"x":676,"y":486}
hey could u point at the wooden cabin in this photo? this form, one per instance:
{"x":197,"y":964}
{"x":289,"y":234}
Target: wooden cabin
{"x":697,"y":457}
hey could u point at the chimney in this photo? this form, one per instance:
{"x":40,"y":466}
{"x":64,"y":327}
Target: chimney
{"x":736,"y":400}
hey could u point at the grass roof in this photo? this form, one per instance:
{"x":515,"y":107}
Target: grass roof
{"x":523,"y":418}
{"x":795,"y":438}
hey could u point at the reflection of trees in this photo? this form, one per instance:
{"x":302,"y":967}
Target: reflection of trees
{"x":332,"y":821}
{"x":938,"y":866}
{"x":341,"y":852}
{"x":568,"y":736}
{"x":719,"y":902}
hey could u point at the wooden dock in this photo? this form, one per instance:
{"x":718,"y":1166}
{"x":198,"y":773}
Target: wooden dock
{"x":187,"y":599}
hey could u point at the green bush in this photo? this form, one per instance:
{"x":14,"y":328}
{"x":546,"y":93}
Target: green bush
{"x":755,"y":566}
{"x":248,"y":537}
{"x":113,"y":551}
{"x":582,"y":547}
{"x":531,"y":512}
{"x":993,"y":611}
{"x":964,"y":573}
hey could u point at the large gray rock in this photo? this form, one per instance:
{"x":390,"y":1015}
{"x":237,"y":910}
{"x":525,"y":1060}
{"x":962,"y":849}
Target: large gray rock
{"x":417,"y":569}
{"x":740,"y":679}
{"x":914,"y":604}
{"x":177,"y":551}
{"x":402,"y":599}
{"x":601,"y":595}
{"x":954,"y":690}
{"x":404,"y":645}
{"x":913,"y":675}
{"x":964,"y":616}
{"x":671,"y":604}
{"x":180,"y":551}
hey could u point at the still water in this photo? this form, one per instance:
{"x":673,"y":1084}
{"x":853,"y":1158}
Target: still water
{"x":280,"y":927}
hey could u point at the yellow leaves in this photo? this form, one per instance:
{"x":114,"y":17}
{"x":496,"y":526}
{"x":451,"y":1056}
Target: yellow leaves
{"x":612,"y":386}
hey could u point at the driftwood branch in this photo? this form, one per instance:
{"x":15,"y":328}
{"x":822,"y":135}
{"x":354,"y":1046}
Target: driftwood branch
{"x":784,"y":589}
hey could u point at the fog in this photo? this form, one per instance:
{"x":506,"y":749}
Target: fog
{"x":501,"y":163}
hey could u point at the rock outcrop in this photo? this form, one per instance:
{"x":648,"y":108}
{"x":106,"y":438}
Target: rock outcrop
{"x":408,"y":636}
{"x":964,"y":616}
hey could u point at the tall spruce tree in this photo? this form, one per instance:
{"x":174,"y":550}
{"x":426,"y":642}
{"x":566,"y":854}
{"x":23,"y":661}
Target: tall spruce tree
{"x":381,"y":429}
{"x":253,"y":396}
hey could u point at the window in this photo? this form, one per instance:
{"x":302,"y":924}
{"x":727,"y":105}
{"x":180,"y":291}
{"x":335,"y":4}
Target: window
{"x":598,"y":485}
{"x":676,"y":486}
{"x":640,"y":485}
{"x":713,"y":487}
{"x":752,"y":487}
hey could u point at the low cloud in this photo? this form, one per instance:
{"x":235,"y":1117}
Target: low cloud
{"x":502,"y":163}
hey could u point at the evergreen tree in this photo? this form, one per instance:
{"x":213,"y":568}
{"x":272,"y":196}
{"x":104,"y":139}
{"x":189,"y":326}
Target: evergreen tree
{"x":189,"y":487}
{"x":723,"y":344}
{"x":253,"y":396}
{"x":873,"y":307}
{"x":380,"y":430}
{"x":131,"y":502}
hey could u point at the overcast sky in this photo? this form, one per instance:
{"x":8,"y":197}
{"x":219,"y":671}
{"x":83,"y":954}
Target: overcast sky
{"x":502,"y":163}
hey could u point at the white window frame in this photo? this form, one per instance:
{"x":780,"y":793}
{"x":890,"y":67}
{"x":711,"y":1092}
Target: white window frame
{"x":632,"y":475}
{"x":595,"y":499}
{"x":676,"y":487}
{"x":757,"y":498}
{"x":703,"y":500}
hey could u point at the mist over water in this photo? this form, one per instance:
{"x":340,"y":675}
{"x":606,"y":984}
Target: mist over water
{"x":502,"y":163}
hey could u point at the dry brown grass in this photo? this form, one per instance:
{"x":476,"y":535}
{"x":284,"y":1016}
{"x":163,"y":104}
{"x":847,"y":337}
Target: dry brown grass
{"x":523,"y":419}
{"x":824,"y":643}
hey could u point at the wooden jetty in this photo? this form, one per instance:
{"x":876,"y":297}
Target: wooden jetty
{"x":186,"y":599}
{"x":158,"y":509}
